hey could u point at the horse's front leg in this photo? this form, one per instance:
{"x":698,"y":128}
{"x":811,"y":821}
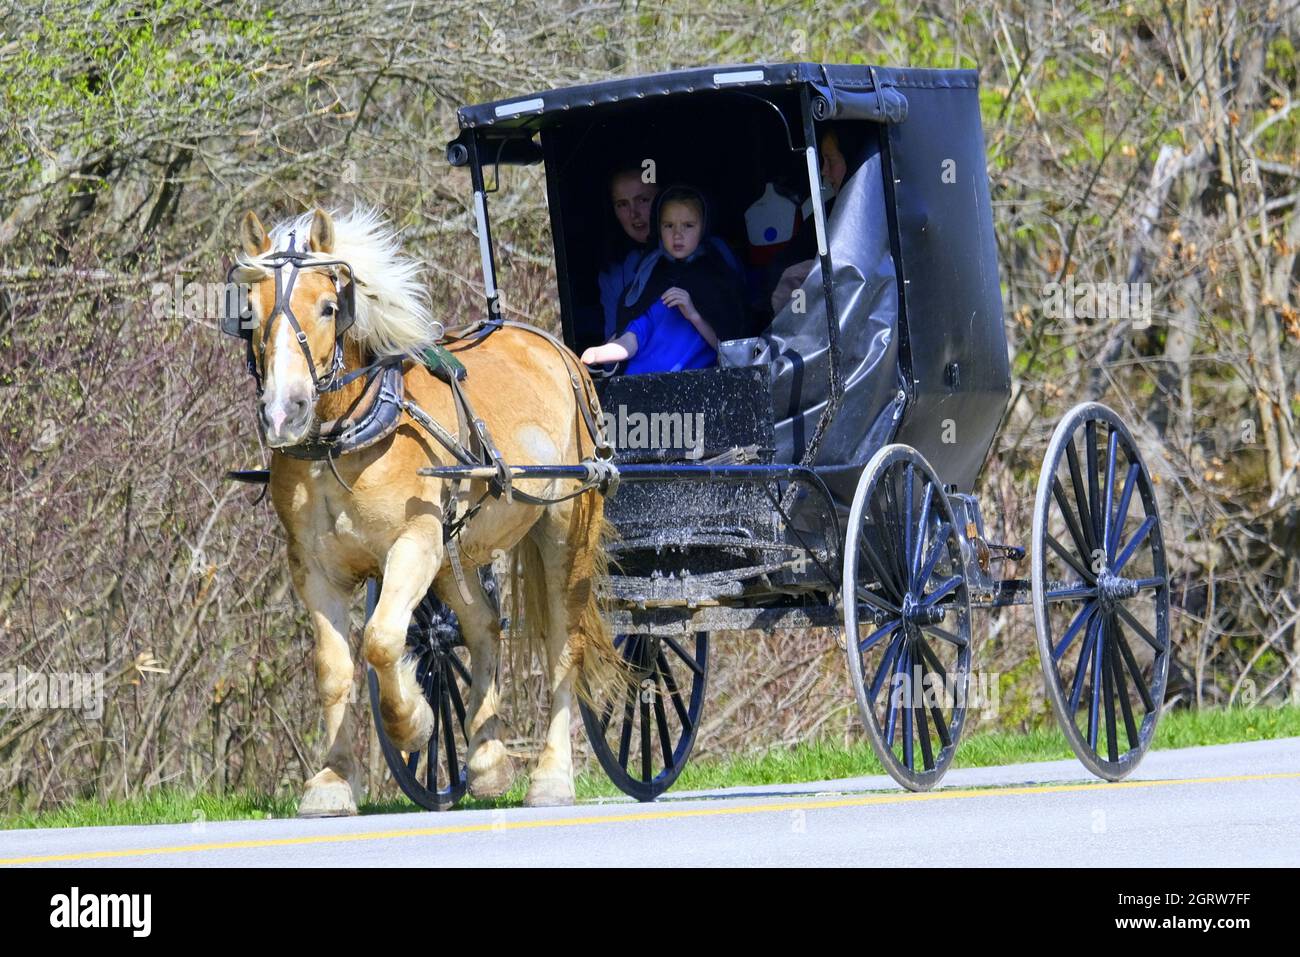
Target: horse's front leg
{"x":333,"y":790}
{"x":409,"y":568}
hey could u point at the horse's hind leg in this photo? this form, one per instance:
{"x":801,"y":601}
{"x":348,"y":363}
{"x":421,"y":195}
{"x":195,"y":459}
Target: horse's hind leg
{"x":408,"y":570}
{"x":333,"y":790}
{"x":490,"y":770}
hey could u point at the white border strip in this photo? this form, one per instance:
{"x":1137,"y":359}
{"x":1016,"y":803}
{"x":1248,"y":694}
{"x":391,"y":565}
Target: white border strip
{"x":520,"y":106}
{"x":485,"y":253}
{"x":819,"y":208}
{"x":741,"y":76}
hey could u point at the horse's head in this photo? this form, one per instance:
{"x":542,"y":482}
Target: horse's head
{"x":300,"y":301}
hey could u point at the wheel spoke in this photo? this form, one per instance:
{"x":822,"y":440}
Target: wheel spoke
{"x":883,"y":575}
{"x":909,"y":708}
{"x":894,"y":554}
{"x":944,"y":587}
{"x":1067,"y":512}
{"x":1133,"y":543}
{"x":1070,"y":593}
{"x":909,"y":481}
{"x":431,"y":767}
{"x":690,"y":661}
{"x":1094,"y":688}
{"x":890,"y":654}
{"x":646,"y":774}
{"x":877,"y":602}
{"x":1127,"y":653}
{"x":884,"y":557}
{"x":866,"y":643}
{"x":1081,"y":506}
{"x":896,"y":689}
{"x":922,"y":725}
{"x":914,"y":556}
{"x":1080,"y":619}
{"x":1094,"y":493}
{"x":1070,"y":560}
{"x":1144,"y":583}
{"x":935,"y":664}
{"x":687,"y":725}
{"x":940,"y":726}
{"x":1108,"y":690}
{"x":665,"y":739}
{"x":1081,"y":669}
{"x":1139,"y":628}
{"x":456,"y":702}
{"x":625,"y":738}
{"x":932,"y":560}
{"x":946,"y":635}
{"x":1108,"y":490}
{"x":460,"y":669}
{"x":1117,"y":666}
{"x":1121,"y":510}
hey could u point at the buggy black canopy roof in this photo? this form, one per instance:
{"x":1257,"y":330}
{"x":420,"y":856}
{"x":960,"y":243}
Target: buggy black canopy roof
{"x":842,"y":92}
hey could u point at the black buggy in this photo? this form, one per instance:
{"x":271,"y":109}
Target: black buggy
{"x":830,"y":485}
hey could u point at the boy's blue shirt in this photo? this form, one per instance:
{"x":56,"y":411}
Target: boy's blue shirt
{"x":667,"y":342}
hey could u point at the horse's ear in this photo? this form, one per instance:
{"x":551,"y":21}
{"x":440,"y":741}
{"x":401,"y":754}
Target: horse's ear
{"x":252,"y":235}
{"x":322,"y":232}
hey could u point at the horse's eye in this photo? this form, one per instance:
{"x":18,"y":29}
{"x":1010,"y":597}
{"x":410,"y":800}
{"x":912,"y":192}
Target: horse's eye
{"x":329,"y":309}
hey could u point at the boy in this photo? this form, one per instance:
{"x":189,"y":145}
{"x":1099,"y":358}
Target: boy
{"x":684,"y":298}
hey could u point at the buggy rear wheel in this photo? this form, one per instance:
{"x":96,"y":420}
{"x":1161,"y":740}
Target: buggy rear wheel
{"x":643,"y":733}
{"x":907,"y":616}
{"x":1100,"y":591}
{"x":434,"y":778}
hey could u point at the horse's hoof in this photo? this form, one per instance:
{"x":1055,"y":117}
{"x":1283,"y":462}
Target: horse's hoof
{"x":327,"y":795}
{"x":549,"y":792}
{"x":490,"y":779}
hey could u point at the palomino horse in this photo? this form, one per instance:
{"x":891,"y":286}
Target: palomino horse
{"x":369,"y":513}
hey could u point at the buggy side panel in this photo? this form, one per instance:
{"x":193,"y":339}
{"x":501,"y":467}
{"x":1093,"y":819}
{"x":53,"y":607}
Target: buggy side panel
{"x":954,"y":348}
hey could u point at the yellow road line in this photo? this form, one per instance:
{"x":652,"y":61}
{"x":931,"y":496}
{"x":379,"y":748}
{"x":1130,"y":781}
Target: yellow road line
{"x":663,"y":814}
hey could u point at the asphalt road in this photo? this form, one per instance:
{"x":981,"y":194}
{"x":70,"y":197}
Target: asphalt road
{"x":1225,"y":805}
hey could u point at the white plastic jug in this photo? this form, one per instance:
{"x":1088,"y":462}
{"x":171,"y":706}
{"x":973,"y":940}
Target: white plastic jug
{"x":770,"y":218}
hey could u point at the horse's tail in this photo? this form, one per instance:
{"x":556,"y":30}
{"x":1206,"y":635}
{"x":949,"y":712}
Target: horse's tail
{"x":591,"y":647}
{"x":602,"y":668}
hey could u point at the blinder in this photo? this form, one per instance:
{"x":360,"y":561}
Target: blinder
{"x":237,"y":314}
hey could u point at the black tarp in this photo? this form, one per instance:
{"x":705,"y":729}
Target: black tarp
{"x":866,"y":298}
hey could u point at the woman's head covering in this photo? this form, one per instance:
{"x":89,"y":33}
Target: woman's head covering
{"x":646,"y":269}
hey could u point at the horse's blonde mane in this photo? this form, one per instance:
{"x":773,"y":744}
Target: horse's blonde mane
{"x":393,"y":315}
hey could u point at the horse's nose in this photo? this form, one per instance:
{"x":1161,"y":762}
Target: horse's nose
{"x":285,"y":418}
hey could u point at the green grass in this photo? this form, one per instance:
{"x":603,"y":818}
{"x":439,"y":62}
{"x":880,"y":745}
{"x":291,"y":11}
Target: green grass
{"x":813,"y":761}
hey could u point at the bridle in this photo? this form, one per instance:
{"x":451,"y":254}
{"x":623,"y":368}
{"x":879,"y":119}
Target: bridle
{"x":237,"y":316}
